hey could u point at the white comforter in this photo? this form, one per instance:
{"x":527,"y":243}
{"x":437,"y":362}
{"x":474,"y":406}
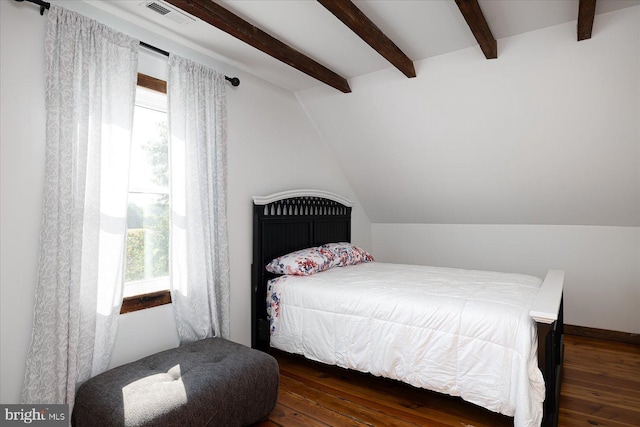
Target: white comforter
{"x":460,"y":332}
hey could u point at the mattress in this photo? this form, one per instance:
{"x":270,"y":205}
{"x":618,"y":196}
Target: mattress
{"x":460,"y":332}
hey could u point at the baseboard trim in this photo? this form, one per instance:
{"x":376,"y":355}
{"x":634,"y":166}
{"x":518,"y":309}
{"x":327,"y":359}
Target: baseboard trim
{"x":603,"y":334}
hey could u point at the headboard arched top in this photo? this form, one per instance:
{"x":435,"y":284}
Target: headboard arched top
{"x":306,"y":193}
{"x":302,"y":206}
{"x":285,"y":222}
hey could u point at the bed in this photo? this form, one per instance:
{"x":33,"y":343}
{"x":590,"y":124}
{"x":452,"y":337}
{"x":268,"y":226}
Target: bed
{"x":294,"y":220}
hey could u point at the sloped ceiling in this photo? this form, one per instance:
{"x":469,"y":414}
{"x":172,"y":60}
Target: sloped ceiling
{"x":421,"y":28}
{"x":548,"y":133}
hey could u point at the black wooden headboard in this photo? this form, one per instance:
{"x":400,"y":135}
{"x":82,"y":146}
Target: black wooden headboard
{"x":286,"y":222}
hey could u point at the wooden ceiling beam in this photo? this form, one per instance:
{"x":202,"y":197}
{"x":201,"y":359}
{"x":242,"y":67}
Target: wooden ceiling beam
{"x":586,"y":14}
{"x":478,"y":24}
{"x":232,"y":24}
{"x":358,"y":22}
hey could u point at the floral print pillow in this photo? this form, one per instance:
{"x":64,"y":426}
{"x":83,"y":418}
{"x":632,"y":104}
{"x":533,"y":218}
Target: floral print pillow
{"x":347,"y":254}
{"x":303,"y":262}
{"x":314,"y":260}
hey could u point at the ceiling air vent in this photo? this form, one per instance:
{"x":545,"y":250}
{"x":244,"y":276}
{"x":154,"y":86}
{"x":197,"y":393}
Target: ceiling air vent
{"x":168,"y":11}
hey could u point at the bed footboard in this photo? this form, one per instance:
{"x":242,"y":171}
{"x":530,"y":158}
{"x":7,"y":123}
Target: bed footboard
{"x":547,"y":311}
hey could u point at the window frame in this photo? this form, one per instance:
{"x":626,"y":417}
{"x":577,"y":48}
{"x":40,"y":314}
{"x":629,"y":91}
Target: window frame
{"x":157,"y":298}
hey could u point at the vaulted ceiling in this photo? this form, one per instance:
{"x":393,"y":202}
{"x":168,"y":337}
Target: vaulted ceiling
{"x":298,"y":44}
{"x":545,"y":134}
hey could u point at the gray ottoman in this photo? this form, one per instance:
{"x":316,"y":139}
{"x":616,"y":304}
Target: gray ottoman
{"x":213,"y":382}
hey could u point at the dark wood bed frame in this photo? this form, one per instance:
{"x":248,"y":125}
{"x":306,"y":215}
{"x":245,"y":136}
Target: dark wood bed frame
{"x":293,"y":220}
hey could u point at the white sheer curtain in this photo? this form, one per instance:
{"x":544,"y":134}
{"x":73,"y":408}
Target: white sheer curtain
{"x":91,"y":75}
{"x":198,"y":164}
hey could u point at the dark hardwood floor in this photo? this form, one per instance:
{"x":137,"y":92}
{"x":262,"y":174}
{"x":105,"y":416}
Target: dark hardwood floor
{"x":600,"y":387}
{"x":600,"y":383}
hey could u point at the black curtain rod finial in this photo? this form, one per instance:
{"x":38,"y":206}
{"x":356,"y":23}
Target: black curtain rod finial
{"x":233,"y":80}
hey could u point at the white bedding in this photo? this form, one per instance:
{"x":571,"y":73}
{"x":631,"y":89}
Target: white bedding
{"x":460,"y":332}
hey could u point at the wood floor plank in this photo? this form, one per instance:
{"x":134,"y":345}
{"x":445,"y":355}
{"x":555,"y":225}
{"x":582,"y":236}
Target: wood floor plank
{"x":576,"y":419}
{"x":599,"y":392}
{"x":597,"y":387}
{"x":414,"y":405}
{"x":283,"y":415}
{"x":600,"y":410}
{"x":615,"y":368}
{"x":406,"y":411}
{"x":318,"y":412}
{"x":601,"y":345}
{"x":600,"y":383}
{"x":340,"y":404}
{"x":600,"y":387}
{"x":610,"y":398}
{"x":600,"y":377}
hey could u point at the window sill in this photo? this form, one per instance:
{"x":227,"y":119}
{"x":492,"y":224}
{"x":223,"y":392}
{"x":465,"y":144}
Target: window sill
{"x":144,"y":301}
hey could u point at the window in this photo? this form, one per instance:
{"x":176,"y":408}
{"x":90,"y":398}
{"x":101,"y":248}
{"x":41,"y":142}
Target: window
{"x":147,"y":255}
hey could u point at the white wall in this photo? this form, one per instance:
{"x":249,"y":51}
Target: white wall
{"x":547,"y":133}
{"x":272,"y":147}
{"x":537,"y":153}
{"x":22,"y":129}
{"x":602,"y":264}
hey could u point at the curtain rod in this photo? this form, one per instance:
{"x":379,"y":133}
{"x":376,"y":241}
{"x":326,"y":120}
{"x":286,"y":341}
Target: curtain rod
{"x":45,"y":5}
{"x":233,"y":80}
